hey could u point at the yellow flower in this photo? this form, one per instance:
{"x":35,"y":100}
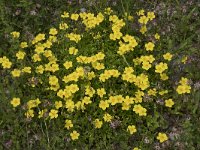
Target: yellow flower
{"x":74,"y":135}
{"x":152,"y":92}
{"x":184,"y":59}
{"x":73,"y":51}
{"x":2,"y":59}
{"x":169,"y":103}
{"x":183,"y":81}
{"x":101,"y":92}
{"x":49,"y":42}
{"x":29,"y":113}
{"x":143,"y":20}
{"x":33,"y":103}
{"x":181,"y":89}
{"x":143,"y":29}
{"x":142,"y":81}
{"x":136,"y":61}
{"x":53,"y":80}
{"x":132,"y":129}
{"x":23,"y":44}
{"x":53,"y":113}
{"x":70,"y":105}
{"x":53,"y":31}
{"x":119,"y":98}
{"x":41,"y":113}
{"x":103,"y":104}
{"x":65,"y":14}
{"x":138,"y":109}
{"x":151,"y":15}
{"x":67,"y":64}
{"x":130,"y":18}
{"x":89,"y":91}
{"x":74,"y":37}
{"x":161,"y":67}
{"x":40,"y":69}
{"x":157,"y":36}
{"x":128,"y":70}
{"x":167,"y":56}
{"x":90,"y":75}
{"x":98,"y":66}
{"x":146,"y":65}
{"x":5,"y":62}
{"x":125,"y":106}
{"x":20,"y":55}
{"x":63,"y":26}
{"x":73,"y":88}
{"x":16,"y":73}
{"x":36,"y":57}
{"x":38,"y":38}
{"x":39,"y":49}
{"x":184,"y":87}
{"x":163,"y":76}
{"x":98,"y":123}
{"x":58,"y":104}
{"x":113,"y":100}
{"x":61,"y":93}
{"x":163,"y":92}
{"x":107,"y":117}
{"x":15,"y":34}
{"x":108,"y":11}
{"x":141,"y":12}
{"x":162,"y":137}
{"x":26,"y":69}
{"x":149,"y":46}
{"x":80,"y":105}
{"x":52,"y":67}
{"x":136,"y":148}
{"x":128,"y":100}
{"x":48,"y":53}
{"x":68,"y":124}
{"x":74,"y":16}
{"x":15,"y":102}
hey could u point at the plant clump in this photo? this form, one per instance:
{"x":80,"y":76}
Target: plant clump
{"x":90,"y":65}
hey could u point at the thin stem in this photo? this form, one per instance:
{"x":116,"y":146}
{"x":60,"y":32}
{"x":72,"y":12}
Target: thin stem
{"x":47,"y":133}
{"x":27,"y":136}
{"x":123,"y":7}
{"x":125,"y":60}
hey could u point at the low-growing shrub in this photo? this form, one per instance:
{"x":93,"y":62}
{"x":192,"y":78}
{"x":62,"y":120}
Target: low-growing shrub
{"x":96,"y":73}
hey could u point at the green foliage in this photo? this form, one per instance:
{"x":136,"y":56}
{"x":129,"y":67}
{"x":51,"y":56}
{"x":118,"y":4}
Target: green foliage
{"x":179,"y":31}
